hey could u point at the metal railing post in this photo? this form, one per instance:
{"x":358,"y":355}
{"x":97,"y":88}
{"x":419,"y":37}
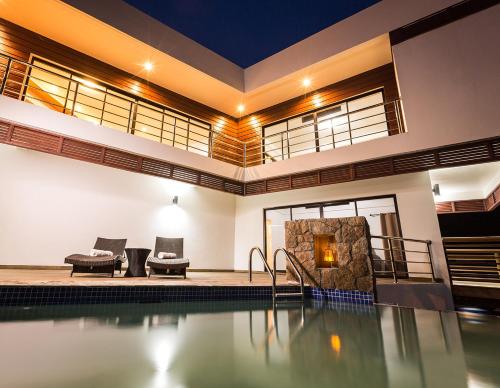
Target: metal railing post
{"x":391,"y":254}
{"x":5,"y":76}
{"x":429,"y":253}
{"x":74,"y":98}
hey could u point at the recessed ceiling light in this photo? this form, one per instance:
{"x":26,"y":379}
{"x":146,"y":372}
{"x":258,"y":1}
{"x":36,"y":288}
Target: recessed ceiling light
{"x":148,"y":66}
{"x":306,"y":82}
{"x":241,"y":108}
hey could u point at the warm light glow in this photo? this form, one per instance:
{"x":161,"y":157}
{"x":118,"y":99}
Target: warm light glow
{"x":328,"y":255}
{"x":316,"y":101}
{"x":306,"y":82}
{"x":254,"y":121}
{"x":90,"y":84}
{"x":335,"y":343}
{"x":241,"y":108}
{"x":148,"y":66}
{"x":220,"y":124}
{"x":135,"y":89}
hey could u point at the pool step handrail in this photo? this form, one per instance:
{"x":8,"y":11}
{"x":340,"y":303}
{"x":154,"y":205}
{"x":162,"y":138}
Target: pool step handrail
{"x":269,"y":270}
{"x":296,"y":270}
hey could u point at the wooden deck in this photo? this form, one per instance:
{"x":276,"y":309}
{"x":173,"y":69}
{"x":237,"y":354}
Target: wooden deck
{"x":61,"y":277}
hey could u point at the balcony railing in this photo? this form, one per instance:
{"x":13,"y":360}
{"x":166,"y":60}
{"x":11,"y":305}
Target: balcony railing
{"x":90,"y":99}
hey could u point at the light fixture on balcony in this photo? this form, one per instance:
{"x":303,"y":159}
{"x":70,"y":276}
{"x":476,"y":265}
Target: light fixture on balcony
{"x":306,"y":82}
{"x":148,"y":66}
{"x":241,"y":108}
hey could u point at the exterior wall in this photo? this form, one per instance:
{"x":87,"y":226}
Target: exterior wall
{"x":52,"y":207}
{"x":414,"y":198}
{"x":449,"y":80}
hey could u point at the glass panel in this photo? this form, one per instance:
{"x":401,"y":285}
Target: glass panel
{"x":304,"y":213}
{"x":198,"y":139}
{"x":340,"y":210}
{"x":181,"y":133}
{"x":274,"y":140}
{"x":301,"y":136}
{"x":369,"y":121}
{"x":275,"y":234}
{"x":47,"y":86}
{"x":333,"y":127}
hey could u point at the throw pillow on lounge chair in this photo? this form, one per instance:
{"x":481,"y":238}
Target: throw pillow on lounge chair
{"x":100,"y":252}
{"x":167,"y":255}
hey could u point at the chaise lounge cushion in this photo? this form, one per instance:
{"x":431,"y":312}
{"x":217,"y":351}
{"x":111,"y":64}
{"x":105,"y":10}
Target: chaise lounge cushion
{"x":167,"y":262}
{"x":94,"y":261}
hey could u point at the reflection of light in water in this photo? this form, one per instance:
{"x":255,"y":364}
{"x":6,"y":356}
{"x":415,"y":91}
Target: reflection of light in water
{"x":162,"y":353}
{"x":335,"y":343}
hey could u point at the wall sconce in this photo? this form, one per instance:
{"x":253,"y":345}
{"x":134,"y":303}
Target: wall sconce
{"x":436,"y":190}
{"x":175,"y":201}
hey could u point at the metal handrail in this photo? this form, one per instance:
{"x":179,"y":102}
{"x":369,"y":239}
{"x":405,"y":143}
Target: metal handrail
{"x":294,"y":266}
{"x":390,"y":240}
{"x":261,"y":254}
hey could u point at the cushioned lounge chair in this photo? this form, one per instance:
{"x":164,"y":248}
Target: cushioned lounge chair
{"x":100,"y":264}
{"x":175,"y":266}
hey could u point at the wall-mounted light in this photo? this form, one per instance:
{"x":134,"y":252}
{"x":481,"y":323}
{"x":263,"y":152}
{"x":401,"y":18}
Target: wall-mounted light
{"x":148,"y":66}
{"x":241,"y":108}
{"x":175,"y":201}
{"x":306,"y":82}
{"x":436,"y":190}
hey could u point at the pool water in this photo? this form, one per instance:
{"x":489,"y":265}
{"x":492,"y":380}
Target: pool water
{"x":246,"y":344}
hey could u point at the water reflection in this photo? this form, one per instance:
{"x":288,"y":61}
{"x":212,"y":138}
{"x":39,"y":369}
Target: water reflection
{"x":247,"y":344}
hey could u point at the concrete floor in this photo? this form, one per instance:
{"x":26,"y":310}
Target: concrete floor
{"x":59,"y":277}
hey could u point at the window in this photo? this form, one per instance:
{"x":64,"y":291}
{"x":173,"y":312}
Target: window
{"x":65,"y":91}
{"x":381,"y":214}
{"x":353,"y":121}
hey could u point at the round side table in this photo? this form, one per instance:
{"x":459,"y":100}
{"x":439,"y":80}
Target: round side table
{"x":136,"y":262}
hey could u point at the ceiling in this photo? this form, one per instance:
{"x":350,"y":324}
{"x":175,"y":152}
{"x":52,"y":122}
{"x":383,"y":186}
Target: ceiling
{"x":261,"y":27}
{"x":467,"y":182}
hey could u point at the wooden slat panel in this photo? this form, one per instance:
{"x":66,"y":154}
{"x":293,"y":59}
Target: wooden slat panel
{"x":121,"y":159}
{"x":278,"y":184}
{"x":156,"y":167}
{"x":472,"y":205}
{"x":374,"y":168}
{"x":34,"y":139}
{"x":336,"y":175}
{"x":444,"y":207}
{"x":185,"y":174}
{"x":211,"y":181}
{"x":305,"y":180}
{"x":253,"y":188}
{"x":420,"y":162}
{"x":4,"y":130}
{"x":464,"y":155}
{"x":81,"y":150}
{"x":234,"y":187}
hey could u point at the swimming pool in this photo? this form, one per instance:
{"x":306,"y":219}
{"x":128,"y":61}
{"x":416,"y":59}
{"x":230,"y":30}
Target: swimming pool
{"x":246,"y":344}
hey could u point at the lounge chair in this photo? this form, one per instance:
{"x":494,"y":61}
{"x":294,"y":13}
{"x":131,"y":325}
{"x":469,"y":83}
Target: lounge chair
{"x":175,"y":266}
{"x":100,"y":264}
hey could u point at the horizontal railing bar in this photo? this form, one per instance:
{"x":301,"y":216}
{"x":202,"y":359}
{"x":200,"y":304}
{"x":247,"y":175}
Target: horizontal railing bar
{"x":401,"y":239}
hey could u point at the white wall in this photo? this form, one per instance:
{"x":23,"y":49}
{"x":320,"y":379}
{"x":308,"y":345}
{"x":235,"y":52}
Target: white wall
{"x":51,"y":207}
{"x":414,"y":198}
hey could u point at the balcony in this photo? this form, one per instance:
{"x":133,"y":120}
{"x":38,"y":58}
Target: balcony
{"x":356,"y":120}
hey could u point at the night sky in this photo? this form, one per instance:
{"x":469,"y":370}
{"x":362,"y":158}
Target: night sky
{"x":246,"y":32}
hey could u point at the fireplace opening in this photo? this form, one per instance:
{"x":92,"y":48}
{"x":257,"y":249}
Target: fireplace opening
{"x":325,"y":251}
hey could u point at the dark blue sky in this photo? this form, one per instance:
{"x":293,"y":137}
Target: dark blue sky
{"x":244,"y":31}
